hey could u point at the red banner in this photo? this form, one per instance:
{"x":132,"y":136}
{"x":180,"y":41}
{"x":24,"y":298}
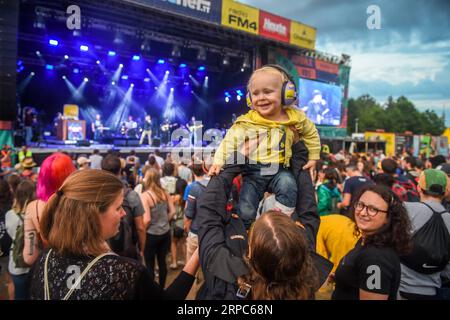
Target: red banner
{"x":308,"y":73}
{"x":327,"y":67}
{"x":274,"y":27}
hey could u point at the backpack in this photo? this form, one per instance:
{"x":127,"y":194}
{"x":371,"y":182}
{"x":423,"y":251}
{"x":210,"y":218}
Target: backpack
{"x":411,"y":191}
{"x":431,"y":246}
{"x":19,"y":244}
{"x":400,"y":191}
{"x":5,"y":239}
{"x":124,"y":242}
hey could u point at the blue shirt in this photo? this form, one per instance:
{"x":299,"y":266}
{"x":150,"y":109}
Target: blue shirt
{"x":196,"y":188}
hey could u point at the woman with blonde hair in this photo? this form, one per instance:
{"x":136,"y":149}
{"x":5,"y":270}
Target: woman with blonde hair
{"x":159,"y":211}
{"x":78,"y":263}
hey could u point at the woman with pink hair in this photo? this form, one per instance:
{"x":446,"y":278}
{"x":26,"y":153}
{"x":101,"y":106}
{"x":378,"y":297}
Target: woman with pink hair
{"x":54,"y":170}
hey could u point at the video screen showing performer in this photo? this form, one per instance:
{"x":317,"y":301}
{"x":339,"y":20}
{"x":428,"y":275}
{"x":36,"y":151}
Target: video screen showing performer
{"x":320,"y":101}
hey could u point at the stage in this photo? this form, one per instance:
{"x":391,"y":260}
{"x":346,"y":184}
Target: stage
{"x":46,"y":148}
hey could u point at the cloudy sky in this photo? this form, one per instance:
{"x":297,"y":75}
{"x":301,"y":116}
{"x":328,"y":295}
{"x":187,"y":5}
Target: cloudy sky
{"x":409,"y":55}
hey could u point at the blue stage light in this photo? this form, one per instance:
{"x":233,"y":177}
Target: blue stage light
{"x":111,"y":53}
{"x":53,"y":42}
{"x":125,"y":77}
{"x":136,"y":58}
{"x":183,"y":65}
{"x":201,"y":68}
{"x":227,"y":99}
{"x":147,"y":80}
{"x":49,"y":67}
{"x":76,"y":70}
{"x":239,"y":92}
{"x":84,"y":48}
{"x":227,"y":94}
{"x":66,"y":57}
{"x":172,"y":89}
{"x":161,"y":61}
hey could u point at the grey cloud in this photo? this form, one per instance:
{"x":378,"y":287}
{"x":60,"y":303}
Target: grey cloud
{"x":346,"y":19}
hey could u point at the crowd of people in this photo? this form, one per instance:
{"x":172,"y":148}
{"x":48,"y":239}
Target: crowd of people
{"x":104,"y":226}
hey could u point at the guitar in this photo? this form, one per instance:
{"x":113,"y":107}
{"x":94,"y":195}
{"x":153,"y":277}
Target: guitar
{"x":166,"y":127}
{"x":193,"y":128}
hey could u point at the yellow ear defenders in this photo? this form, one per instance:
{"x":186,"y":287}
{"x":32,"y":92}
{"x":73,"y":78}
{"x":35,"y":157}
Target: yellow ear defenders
{"x":288,"y":90}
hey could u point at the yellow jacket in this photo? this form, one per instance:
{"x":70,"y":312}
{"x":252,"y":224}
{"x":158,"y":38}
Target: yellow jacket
{"x":275,"y":139}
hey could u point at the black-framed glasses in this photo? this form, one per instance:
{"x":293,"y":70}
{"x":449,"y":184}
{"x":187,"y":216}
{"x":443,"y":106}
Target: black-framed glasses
{"x":371,"y":210}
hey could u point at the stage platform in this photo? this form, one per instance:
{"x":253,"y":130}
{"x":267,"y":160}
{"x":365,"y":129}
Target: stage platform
{"x":44,"y":149}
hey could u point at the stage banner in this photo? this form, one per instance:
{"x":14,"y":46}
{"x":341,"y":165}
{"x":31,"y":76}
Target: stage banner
{"x":302,"y":35}
{"x":274,"y":27}
{"x":204,"y":10}
{"x":241,"y":17}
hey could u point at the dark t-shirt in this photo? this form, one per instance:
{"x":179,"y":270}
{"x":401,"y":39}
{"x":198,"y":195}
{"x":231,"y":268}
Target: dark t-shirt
{"x":197,"y":188}
{"x":352,"y":184}
{"x":111,"y":278}
{"x":368,"y":268}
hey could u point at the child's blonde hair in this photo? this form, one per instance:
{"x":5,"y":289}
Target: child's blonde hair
{"x":268,"y":69}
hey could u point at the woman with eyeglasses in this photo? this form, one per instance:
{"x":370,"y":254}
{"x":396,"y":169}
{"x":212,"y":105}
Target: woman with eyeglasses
{"x":371,"y":270}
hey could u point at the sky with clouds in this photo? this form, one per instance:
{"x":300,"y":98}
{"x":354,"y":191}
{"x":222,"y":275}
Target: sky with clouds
{"x":409,"y":55}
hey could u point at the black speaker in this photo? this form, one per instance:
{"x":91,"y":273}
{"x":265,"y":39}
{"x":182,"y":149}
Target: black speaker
{"x":9,"y":15}
{"x":19,"y":139}
{"x":156,"y":142}
{"x":133,"y":143}
{"x":83,"y":143}
{"x":120,"y":142}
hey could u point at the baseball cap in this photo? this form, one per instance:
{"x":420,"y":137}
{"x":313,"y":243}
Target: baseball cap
{"x":433,"y":181}
{"x":444,"y":167}
{"x":82,"y":160}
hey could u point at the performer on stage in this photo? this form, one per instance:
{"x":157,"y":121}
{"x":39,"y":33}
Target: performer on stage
{"x":28,"y":124}
{"x":56,"y":123}
{"x":97,"y":127}
{"x":131,"y":127}
{"x":147,"y":130}
{"x":165,"y":131}
{"x":194,"y":131}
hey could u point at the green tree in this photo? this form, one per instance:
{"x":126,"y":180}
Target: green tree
{"x":394,"y":116}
